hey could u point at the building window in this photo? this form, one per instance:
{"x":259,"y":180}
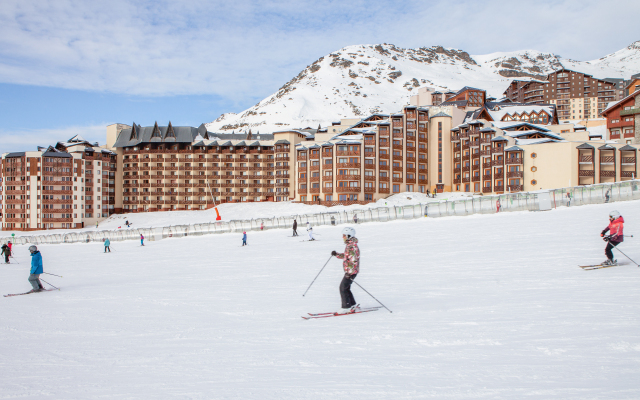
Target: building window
{"x":396,"y":188}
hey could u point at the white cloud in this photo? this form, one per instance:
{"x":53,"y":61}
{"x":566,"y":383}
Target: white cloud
{"x":30,"y":139}
{"x":248,"y":48}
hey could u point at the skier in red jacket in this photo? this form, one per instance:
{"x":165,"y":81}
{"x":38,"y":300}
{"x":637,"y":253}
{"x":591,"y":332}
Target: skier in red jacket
{"x":615,"y":237}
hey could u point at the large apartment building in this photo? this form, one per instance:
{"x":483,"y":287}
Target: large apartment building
{"x":66,"y":186}
{"x":576,"y":95}
{"x":623,"y":119}
{"x":163,"y":168}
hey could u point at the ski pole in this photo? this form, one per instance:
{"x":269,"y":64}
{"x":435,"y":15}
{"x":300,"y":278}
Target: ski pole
{"x":49,"y":284}
{"x":616,"y":247}
{"x":59,"y":276}
{"x":371,"y":296}
{"x":14,"y":259}
{"x":314,"y":279}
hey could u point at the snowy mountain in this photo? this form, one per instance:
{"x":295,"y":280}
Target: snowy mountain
{"x":363,"y":79}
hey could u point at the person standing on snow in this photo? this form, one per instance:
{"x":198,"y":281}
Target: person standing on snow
{"x":36,"y":269}
{"x":615,"y":237}
{"x":141,"y":240}
{"x":107,"y":243}
{"x":244,"y":238}
{"x":351,"y":266}
{"x":295,"y":228}
{"x":6,"y":252}
{"x":310,"y":231}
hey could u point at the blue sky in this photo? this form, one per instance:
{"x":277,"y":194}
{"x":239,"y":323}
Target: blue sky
{"x":72,"y":67}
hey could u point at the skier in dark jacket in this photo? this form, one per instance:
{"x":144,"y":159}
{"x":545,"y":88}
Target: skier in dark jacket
{"x":295,"y":228}
{"x":351,"y":266}
{"x":36,"y":269}
{"x":615,"y":237}
{"x":6,"y":252}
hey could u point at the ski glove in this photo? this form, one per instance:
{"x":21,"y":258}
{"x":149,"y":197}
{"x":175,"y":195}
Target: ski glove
{"x":334,"y":253}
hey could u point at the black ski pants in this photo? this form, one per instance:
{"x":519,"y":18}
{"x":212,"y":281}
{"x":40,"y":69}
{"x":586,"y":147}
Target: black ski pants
{"x":609,"y":247}
{"x":295,"y":232}
{"x":345,"y":291}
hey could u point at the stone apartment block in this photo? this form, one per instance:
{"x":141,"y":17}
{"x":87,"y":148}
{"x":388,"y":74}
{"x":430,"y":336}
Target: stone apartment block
{"x":70,"y":185}
{"x":576,"y":95}
{"x":623,"y":119}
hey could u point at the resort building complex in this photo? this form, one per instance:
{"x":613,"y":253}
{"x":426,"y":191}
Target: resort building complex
{"x":459,"y":141}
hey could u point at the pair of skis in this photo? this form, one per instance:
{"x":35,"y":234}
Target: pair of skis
{"x":357,"y":310}
{"x":597,"y":266}
{"x":29,"y":292}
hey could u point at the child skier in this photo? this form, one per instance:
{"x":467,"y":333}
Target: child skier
{"x":310,"y":231}
{"x":244,"y":238}
{"x":141,"y":240}
{"x":615,"y":237}
{"x":36,"y":269}
{"x":351,"y":266}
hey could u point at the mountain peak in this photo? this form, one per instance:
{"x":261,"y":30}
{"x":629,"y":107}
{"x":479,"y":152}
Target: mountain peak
{"x":359,"y":80}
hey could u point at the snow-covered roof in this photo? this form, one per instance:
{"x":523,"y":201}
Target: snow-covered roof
{"x":506,"y":125}
{"x":524,"y":142}
{"x":513,"y":148}
{"x":506,"y":109}
{"x":500,"y":139}
{"x":441,"y":114}
{"x":516,"y":134}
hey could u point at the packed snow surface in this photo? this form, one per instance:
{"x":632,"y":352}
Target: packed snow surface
{"x":484,"y":306}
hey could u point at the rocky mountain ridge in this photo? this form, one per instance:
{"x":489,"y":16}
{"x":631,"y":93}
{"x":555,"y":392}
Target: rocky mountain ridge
{"x":363,"y":79}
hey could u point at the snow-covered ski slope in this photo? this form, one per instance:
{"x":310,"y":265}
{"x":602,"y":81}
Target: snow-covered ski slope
{"x":484,"y":307}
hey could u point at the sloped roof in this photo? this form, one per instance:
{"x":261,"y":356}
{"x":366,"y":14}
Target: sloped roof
{"x":500,"y":139}
{"x":441,"y":114}
{"x":627,"y":148}
{"x":137,"y":135}
{"x":606,"y":147}
{"x":513,"y":148}
{"x":282,"y":141}
{"x":585,"y":146}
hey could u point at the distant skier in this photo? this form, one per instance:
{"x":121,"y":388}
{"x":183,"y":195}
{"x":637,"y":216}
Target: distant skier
{"x":606,"y":196}
{"x":107,"y":243}
{"x":355,"y":218}
{"x":295,"y":228}
{"x":310,"y":231}
{"x":6,"y":252}
{"x":351,"y":266}
{"x":615,"y":237}
{"x":36,"y":269}
{"x":244,"y":238}
{"x":141,"y":240}
{"x":261,"y":225}
{"x":96,"y":224}
{"x":10,"y":246}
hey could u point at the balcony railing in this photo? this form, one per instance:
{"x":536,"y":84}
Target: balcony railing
{"x":585,"y":172}
{"x":515,"y":174}
{"x":607,"y":174}
{"x":515,"y":188}
{"x":514,"y":160}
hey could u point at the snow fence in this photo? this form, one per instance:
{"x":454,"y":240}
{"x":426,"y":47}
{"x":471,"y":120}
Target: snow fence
{"x":527,"y":201}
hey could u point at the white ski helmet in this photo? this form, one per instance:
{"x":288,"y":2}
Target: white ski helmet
{"x":33,"y":248}
{"x":349,"y":232}
{"x":614,"y":214}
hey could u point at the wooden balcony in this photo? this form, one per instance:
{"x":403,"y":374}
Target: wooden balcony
{"x":327,"y":190}
{"x":585,"y":172}
{"x":347,"y":153}
{"x":314,"y":190}
{"x":497,"y":163}
{"x":347,"y":165}
{"x":475,"y":178}
{"x":466,"y":180}
{"x":607,"y":174}
{"x":514,"y":188}
{"x":515,"y":174}
{"x":514,"y":160}
{"x":344,"y":189}
{"x":486,"y":189}
{"x":628,"y":160}
{"x":497,"y":150}
{"x":486,"y":177}
{"x":627,"y":174}
{"x":499,"y":188}
{"x":607,"y":160}
{"x":383,"y":190}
